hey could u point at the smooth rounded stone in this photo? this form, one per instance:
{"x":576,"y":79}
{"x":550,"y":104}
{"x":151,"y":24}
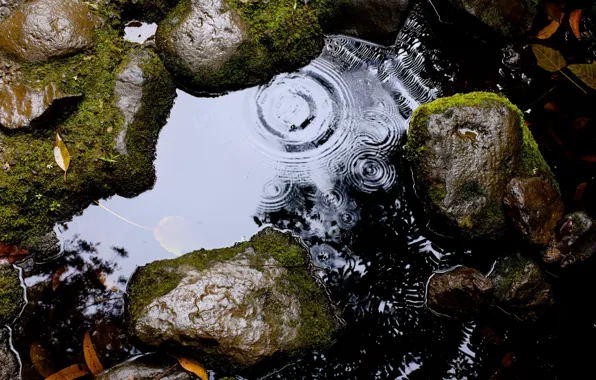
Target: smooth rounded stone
{"x":520,"y":287}
{"x":12,"y":296}
{"x":44,"y":29}
{"x":464,"y":150}
{"x":22,"y":106}
{"x":9,"y":366}
{"x":512,"y":18}
{"x":574,"y":240}
{"x":533,"y":207}
{"x":7,"y":7}
{"x":372,"y":20}
{"x":245,"y":303}
{"x":148,"y":367}
{"x":459,"y":292}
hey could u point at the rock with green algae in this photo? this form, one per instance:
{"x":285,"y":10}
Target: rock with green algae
{"x":9,"y":365}
{"x":511,"y":18}
{"x":220,"y":45}
{"x":464,"y":150}
{"x":11,"y":294}
{"x":34,"y":194}
{"x":43,"y":29}
{"x":244,"y":304}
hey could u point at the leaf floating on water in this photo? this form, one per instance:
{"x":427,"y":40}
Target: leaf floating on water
{"x":70,"y":373}
{"x":57,"y":278}
{"x":61,"y":155}
{"x":40,"y":357}
{"x":585,"y":72}
{"x":91,"y":358}
{"x":550,"y":29}
{"x":195,"y":367}
{"x":549,"y":59}
{"x":10,"y":253}
{"x":574,"y":20}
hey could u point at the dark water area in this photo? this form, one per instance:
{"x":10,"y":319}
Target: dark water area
{"x":318,"y":152}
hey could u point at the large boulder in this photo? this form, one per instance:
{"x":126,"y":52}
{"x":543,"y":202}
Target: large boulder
{"x":245,"y":303}
{"x":574,"y":240}
{"x":459,"y":292}
{"x":511,"y":18}
{"x":534,"y":207}
{"x":9,"y":366}
{"x":145,"y":368}
{"x":464,"y":150}
{"x":520,"y":287}
{"x":44,"y":29}
{"x":373,"y":20}
{"x":11,"y":294}
{"x":219,"y":45}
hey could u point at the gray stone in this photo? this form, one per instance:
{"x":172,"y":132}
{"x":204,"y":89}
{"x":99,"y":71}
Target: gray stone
{"x":7,"y":7}
{"x":22,"y":106}
{"x":240,"y":303}
{"x":144,"y":368}
{"x":534,"y":207}
{"x":43,"y":29}
{"x":373,"y":20}
{"x":9,"y":366}
{"x":464,"y":150}
{"x":459,"y":292}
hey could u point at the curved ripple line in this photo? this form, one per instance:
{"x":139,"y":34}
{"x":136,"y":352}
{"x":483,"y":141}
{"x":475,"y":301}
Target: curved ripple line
{"x":369,"y":172}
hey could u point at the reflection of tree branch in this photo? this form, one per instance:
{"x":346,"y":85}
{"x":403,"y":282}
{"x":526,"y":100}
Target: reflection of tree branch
{"x":166,"y":372}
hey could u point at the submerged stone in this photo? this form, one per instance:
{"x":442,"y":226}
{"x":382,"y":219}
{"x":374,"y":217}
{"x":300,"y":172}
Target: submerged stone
{"x":520,"y":287}
{"x":219,"y":45}
{"x":244,"y":303}
{"x":148,"y":367}
{"x":464,"y":150}
{"x":9,"y":366}
{"x":22,"y":106}
{"x":534,"y":207}
{"x":459,"y":293}
{"x":11,"y":294}
{"x":574,"y":240}
{"x":44,"y":29}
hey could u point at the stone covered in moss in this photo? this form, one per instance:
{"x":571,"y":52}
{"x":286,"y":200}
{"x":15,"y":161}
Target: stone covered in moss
{"x":245,"y":303}
{"x":464,"y":150}
{"x":11,"y":294}
{"x":231,"y":44}
{"x":34,"y":193}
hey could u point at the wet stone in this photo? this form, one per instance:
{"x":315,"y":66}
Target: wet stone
{"x":520,"y":287}
{"x":43,"y":29}
{"x":145,"y":368}
{"x":11,"y":293}
{"x":9,"y":366}
{"x":7,"y":7}
{"x":22,"y":106}
{"x":459,"y":292}
{"x":534,"y":207}
{"x":574,"y":240}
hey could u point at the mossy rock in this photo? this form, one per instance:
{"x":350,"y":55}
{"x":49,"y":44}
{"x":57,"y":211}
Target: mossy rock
{"x":35,"y":195}
{"x":464,"y":150}
{"x":11,"y":294}
{"x":244,"y":303}
{"x":242,"y":44}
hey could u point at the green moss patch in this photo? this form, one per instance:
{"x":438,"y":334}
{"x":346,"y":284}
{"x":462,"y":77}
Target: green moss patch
{"x":11,"y":294}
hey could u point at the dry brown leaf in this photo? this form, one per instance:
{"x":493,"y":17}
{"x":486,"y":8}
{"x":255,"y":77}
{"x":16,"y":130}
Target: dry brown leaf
{"x":70,"y":373}
{"x":574,"y":20}
{"x":580,"y":122}
{"x":551,"y":107}
{"x":588,"y":158}
{"x":91,"y":358}
{"x":195,"y":367}
{"x":10,"y":253}
{"x":549,"y":30}
{"x":554,"y":10}
{"x":56,"y":279}
{"x":579,"y":192}
{"x":61,"y":155}
{"x":40,"y":357}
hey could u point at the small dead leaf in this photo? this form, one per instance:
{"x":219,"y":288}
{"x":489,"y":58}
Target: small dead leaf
{"x":549,"y":30}
{"x":70,"y":373}
{"x":551,"y":107}
{"x":580,"y":122}
{"x":195,"y":367}
{"x":91,"y":358}
{"x":549,"y":59}
{"x":579,"y":192}
{"x":61,"y":155}
{"x":588,"y":158}
{"x":585,"y":72}
{"x":40,"y":357}
{"x":554,"y":10}
{"x":56,"y":279}
{"x":10,"y":253}
{"x":574,"y":20}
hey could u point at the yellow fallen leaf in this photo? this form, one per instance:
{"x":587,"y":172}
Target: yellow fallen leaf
{"x":195,"y":367}
{"x":91,"y":356}
{"x":574,"y":20}
{"x":549,"y":59}
{"x":61,"y":155}
{"x":40,"y":358}
{"x":550,"y":29}
{"x":70,"y":373}
{"x":57,"y":278}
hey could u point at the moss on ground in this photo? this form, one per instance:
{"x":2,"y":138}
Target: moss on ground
{"x":34,"y":193}
{"x":146,"y":10}
{"x":284,"y":36}
{"x":317,"y":317}
{"x":11,"y":294}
